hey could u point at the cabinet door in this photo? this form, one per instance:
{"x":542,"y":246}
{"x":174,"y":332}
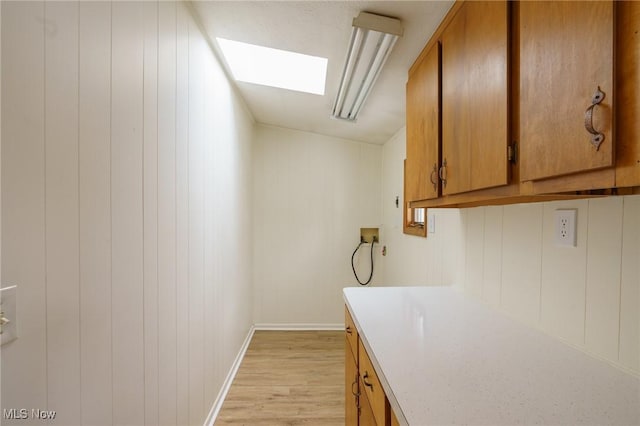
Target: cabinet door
{"x":350,"y":332}
{"x":371,"y":388}
{"x":350,"y":388}
{"x":627,"y":69}
{"x":566,"y":53}
{"x":423,"y":128}
{"x":366,"y":412}
{"x":475,"y":97}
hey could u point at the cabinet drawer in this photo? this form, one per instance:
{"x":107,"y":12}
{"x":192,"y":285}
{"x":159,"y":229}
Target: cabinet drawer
{"x":372,"y":387}
{"x":351,"y":333}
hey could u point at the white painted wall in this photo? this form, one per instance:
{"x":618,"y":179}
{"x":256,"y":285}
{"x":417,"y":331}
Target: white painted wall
{"x":312,"y":194}
{"x":588,"y":296}
{"x":126,"y":211}
{"x":414,"y":260}
{"x":0,"y":187}
{"x":133,"y":226}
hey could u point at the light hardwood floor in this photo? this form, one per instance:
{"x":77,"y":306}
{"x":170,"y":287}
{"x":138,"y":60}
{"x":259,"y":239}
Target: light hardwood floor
{"x":288,"y":378}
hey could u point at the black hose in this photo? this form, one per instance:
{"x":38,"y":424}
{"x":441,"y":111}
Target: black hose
{"x":354,"y":268}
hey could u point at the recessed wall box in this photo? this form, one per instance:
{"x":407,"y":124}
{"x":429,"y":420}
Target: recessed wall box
{"x":369,"y":234}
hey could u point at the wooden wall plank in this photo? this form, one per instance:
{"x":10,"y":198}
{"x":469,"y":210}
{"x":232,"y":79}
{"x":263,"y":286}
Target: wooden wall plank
{"x":564,"y":281}
{"x":0,"y":187}
{"x":629,"y":354}
{"x":474,"y":264}
{"x":221,"y":110}
{"x":491,"y":271}
{"x":127,"y":214}
{"x":211,"y":386}
{"x":167,"y":346}
{"x":602,"y":319}
{"x":24,"y":362}
{"x":182,"y":212}
{"x":61,"y":207}
{"x":150,"y":211}
{"x":452,"y":246}
{"x":197,"y":49}
{"x":95,"y":211}
{"x":125,"y":217}
{"x":521,"y":269}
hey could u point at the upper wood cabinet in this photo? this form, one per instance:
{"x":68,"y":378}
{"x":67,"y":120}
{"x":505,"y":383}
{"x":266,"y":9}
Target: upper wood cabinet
{"x":538,"y":101}
{"x":566,"y":56}
{"x":475,"y":93}
{"x":423,"y":128}
{"x":627,"y":78}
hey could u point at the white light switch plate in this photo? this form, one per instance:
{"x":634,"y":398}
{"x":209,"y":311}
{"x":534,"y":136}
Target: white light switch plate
{"x":8,"y":309}
{"x":431,"y":223}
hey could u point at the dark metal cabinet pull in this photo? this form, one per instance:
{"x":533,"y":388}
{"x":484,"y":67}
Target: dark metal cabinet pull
{"x":434,"y":180}
{"x":348,"y":330}
{"x":364,"y":380}
{"x":596,"y":137}
{"x":443,"y":173}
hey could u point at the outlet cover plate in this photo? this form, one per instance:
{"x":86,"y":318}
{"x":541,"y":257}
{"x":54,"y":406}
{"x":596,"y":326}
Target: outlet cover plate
{"x":565,"y":227}
{"x":8,"y":308}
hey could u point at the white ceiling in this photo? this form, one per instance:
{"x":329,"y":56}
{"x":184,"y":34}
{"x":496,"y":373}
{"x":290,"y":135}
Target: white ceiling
{"x":323,"y":28}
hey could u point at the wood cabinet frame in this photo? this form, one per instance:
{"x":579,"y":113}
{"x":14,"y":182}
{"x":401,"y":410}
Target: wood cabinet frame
{"x":621,"y":179}
{"x":408,"y":225}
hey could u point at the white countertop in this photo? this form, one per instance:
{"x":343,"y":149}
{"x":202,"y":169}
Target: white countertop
{"x":445,"y":359}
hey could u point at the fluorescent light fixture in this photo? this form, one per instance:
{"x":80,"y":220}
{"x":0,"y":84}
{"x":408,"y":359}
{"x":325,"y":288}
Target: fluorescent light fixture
{"x":372,"y":39}
{"x":274,"y":67}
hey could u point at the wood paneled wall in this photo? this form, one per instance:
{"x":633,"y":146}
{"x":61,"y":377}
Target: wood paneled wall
{"x":0,"y":187}
{"x":126,"y":196}
{"x":587,"y":296}
{"x":505,"y":256}
{"x":313,"y":193}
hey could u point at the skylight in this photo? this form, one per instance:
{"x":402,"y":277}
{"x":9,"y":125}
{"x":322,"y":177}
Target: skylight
{"x":274,"y":67}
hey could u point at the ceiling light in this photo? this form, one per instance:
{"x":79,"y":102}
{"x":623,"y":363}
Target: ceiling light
{"x":372,"y":39}
{"x":274,"y":67}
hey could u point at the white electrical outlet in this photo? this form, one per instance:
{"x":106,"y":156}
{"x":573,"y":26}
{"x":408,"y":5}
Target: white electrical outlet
{"x":565,"y":229}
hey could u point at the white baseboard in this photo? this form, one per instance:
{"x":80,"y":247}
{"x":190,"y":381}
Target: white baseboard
{"x":298,"y":327}
{"x":217,"y":404}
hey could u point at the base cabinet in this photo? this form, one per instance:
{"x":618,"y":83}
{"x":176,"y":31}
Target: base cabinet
{"x":350,"y":387}
{"x":371,"y":388}
{"x":366,"y":404}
